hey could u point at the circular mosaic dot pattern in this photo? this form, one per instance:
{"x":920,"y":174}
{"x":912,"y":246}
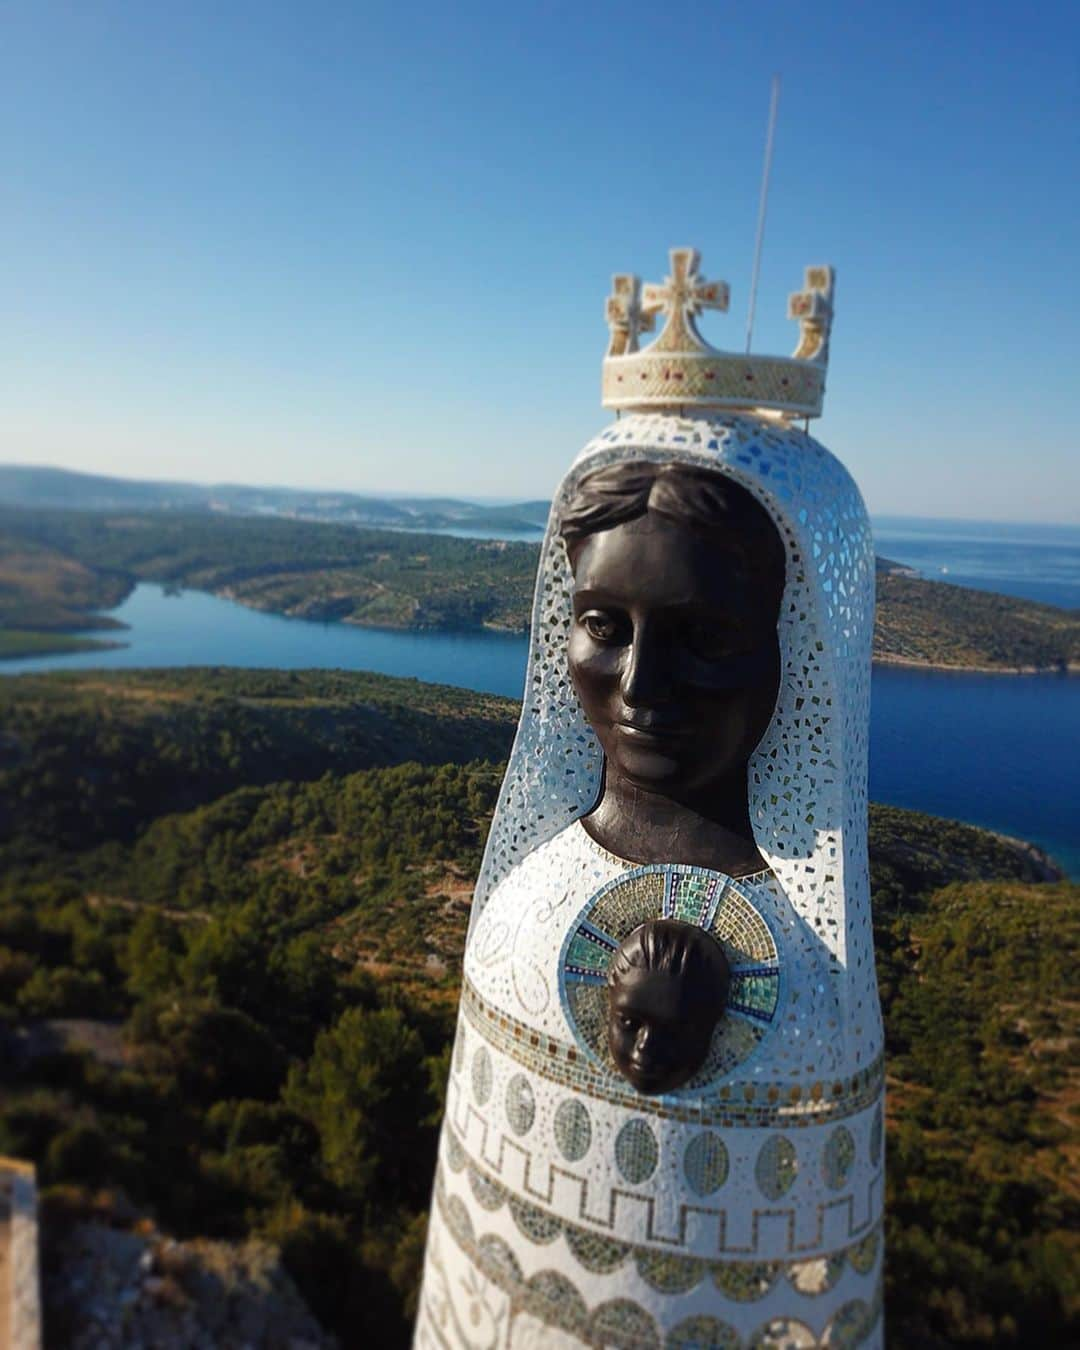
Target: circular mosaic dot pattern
{"x":876,"y":1137}
{"x":520,"y":1104}
{"x":596,"y":1253}
{"x":668,"y":1273}
{"x":697,"y":1333}
{"x":623,"y":1322}
{"x":838,"y":1158}
{"x":850,"y":1325}
{"x":864,"y":1253}
{"x":705,"y":1163}
{"x":573,"y":1131}
{"x":482,"y":1079}
{"x":777,"y":1167}
{"x":636,"y":1153}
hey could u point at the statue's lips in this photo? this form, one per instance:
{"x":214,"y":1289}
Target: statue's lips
{"x":653,"y":733}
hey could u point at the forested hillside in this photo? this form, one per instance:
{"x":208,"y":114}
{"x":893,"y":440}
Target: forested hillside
{"x":236,"y":1017}
{"x":57,"y":563}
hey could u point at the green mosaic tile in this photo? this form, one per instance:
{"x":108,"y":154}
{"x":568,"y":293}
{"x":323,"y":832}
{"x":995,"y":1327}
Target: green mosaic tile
{"x":584,"y":954}
{"x":755,"y":992}
{"x":690,"y":896}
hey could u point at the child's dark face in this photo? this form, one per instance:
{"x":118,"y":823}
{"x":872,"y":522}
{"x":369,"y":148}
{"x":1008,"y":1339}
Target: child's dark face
{"x":659,"y":1029}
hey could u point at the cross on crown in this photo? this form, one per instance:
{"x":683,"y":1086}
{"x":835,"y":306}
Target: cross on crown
{"x":812,"y":306}
{"x":624,"y":314}
{"x":683,"y":295}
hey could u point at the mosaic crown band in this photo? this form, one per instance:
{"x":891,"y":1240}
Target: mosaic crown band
{"x":664,"y":1117}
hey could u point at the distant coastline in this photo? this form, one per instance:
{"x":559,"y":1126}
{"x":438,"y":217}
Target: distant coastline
{"x":63,"y":569}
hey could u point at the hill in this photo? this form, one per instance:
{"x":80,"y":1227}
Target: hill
{"x":92,"y":755}
{"x":58,"y":566}
{"x":235,"y":1018}
{"x":34,"y":486}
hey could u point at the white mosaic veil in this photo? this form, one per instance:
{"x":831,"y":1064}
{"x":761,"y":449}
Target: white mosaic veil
{"x":808,"y":776}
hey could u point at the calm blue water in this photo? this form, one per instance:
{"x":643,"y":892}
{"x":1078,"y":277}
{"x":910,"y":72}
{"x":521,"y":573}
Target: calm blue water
{"x":999,"y":751}
{"x":1034,"y":562}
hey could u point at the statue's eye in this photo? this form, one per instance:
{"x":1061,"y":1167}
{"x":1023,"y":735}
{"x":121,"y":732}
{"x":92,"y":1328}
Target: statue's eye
{"x":714,"y":640}
{"x":600,"y":626}
{"x":628,"y":1023}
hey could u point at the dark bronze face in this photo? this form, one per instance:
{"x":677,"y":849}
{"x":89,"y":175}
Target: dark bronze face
{"x":663,"y":1008}
{"x":673,"y":652}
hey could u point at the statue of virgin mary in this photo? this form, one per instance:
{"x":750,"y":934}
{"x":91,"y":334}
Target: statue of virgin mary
{"x":664,"y":1116}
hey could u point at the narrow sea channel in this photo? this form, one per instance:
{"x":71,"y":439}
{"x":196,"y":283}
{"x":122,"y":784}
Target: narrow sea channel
{"x":999,"y":751}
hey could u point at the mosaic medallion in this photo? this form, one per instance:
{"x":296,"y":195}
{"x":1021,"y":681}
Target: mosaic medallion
{"x":481,"y":1075}
{"x":636,"y":1154}
{"x":520,"y":1104}
{"x":777,"y":1167}
{"x":573,"y":1131}
{"x":838,"y":1158}
{"x":705,"y":1163}
{"x":710,"y":900}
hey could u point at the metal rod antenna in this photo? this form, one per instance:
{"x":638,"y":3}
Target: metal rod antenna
{"x":774,"y":101}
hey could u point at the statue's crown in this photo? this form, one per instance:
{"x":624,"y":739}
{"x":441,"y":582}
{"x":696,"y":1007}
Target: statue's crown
{"x":680,"y":369}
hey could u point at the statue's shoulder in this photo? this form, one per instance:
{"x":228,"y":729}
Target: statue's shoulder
{"x":565,"y":856}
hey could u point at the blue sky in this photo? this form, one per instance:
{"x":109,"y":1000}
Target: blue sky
{"x":366,"y":245}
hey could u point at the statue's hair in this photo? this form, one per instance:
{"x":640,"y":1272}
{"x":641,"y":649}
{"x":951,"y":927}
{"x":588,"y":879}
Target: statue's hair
{"x":700,"y":498}
{"x":671,"y":947}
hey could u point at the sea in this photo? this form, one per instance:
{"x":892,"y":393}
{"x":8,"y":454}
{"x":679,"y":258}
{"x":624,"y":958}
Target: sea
{"x":1000,"y":751}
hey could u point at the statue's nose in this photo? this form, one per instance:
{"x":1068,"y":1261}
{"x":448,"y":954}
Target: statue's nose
{"x":646,"y":675}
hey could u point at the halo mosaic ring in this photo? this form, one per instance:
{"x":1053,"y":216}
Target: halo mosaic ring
{"x":712,"y":901}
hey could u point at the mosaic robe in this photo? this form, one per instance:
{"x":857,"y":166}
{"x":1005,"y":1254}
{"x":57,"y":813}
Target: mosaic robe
{"x":743,"y":1209}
